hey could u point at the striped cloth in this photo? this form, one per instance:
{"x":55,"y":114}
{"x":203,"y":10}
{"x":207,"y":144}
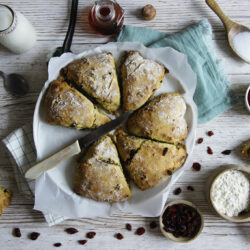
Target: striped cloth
{"x":22,"y":152}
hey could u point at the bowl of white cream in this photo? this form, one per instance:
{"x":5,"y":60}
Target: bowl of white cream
{"x":228,"y":193}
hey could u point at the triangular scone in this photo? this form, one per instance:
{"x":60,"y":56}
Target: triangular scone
{"x":65,"y":106}
{"x":149,"y":162}
{"x":99,"y":175}
{"x":161,"y":119}
{"x":96,"y":76}
{"x":5,"y":198}
{"x":140,"y":79}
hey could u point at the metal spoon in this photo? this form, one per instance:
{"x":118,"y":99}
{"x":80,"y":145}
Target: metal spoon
{"x":15,"y":84}
{"x":232,"y":27}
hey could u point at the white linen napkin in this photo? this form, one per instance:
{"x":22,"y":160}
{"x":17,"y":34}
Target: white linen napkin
{"x":22,"y":152}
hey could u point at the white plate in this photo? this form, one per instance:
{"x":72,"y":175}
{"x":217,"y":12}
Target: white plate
{"x":56,"y":186}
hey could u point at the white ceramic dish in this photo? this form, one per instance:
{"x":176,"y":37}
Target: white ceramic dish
{"x":56,"y":186}
{"x":246,"y":99}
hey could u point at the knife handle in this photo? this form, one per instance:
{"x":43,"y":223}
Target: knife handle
{"x":53,"y":160}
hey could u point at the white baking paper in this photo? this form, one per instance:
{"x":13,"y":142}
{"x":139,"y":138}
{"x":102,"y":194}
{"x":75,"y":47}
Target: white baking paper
{"x":54,"y":189}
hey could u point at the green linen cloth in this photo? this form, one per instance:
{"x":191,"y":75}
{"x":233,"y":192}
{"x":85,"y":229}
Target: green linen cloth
{"x":212,"y":95}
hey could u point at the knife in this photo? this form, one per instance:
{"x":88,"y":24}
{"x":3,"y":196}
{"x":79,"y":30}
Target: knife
{"x":74,"y":148}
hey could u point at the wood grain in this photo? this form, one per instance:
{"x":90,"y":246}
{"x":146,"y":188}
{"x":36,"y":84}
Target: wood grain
{"x":230,"y":128}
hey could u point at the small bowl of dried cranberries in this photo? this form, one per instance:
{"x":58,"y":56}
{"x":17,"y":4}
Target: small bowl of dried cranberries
{"x":181,"y":221}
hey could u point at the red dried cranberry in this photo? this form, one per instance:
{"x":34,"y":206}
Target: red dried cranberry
{"x":17,"y":232}
{"x":226,"y":152}
{"x":190,"y":188}
{"x":196,"y":166}
{"x":210,"y":133}
{"x":34,"y":235}
{"x":128,"y":227}
{"x":209,"y":151}
{"x":140,"y":231}
{"x":58,"y":244}
{"x":82,"y":242}
{"x":169,"y":172}
{"x":90,"y":235}
{"x":165,"y":150}
{"x":119,"y":236}
{"x":71,"y":230}
{"x":200,"y":140}
{"x":153,"y":224}
{"x":177,"y":191}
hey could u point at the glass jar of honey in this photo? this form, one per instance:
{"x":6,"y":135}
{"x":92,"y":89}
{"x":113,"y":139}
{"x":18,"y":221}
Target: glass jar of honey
{"x":106,"y":17}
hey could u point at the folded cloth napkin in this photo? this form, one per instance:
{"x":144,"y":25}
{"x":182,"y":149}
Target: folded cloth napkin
{"x":213,"y":95}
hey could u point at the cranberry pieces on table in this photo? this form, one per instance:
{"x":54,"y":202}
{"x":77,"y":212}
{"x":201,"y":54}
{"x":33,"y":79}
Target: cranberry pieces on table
{"x":34,"y":235}
{"x":71,"y":230}
{"x":226,"y":152}
{"x":90,"y":235}
{"x":140,"y":231}
{"x":177,"y":191}
{"x":181,"y":220}
{"x":119,"y":236}
{"x":153,"y":224}
{"x":82,"y":242}
{"x":210,"y":133}
{"x":58,"y":244}
{"x":17,"y":232}
{"x":190,"y":188}
{"x":128,"y":227}
{"x":209,"y":151}
{"x":196,"y":166}
{"x":200,"y":140}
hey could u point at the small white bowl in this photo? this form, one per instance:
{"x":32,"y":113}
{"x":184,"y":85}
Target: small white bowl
{"x":246,"y":98}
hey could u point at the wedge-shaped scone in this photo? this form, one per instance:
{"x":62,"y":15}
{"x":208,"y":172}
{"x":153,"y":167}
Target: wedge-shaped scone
{"x":140,"y":79}
{"x":5,"y":198}
{"x":161,"y":119}
{"x":148,"y":162}
{"x":99,"y":175}
{"x":65,"y":106}
{"x":96,"y":75}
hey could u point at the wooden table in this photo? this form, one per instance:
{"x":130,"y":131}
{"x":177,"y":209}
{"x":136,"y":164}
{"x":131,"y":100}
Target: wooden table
{"x":231,"y":128}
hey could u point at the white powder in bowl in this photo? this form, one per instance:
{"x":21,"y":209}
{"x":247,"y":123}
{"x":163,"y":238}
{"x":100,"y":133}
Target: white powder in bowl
{"x":230,"y":193}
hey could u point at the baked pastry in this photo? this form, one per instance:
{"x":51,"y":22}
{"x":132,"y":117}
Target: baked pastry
{"x":65,"y":106}
{"x":148,"y":162}
{"x":161,"y":119}
{"x":245,"y":149}
{"x":5,"y":198}
{"x":140,"y":79}
{"x":96,"y":76}
{"x":99,"y":175}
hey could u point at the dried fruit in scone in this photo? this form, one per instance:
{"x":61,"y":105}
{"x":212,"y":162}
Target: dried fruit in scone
{"x":161,"y":119}
{"x":5,"y":198}
{"x":99,"y":174}
{"x":140,"y":79}
{"x":245,"y":149}
{"x":148,"y":162}
{"x":96,"y":76}
{"x":65,"y":106}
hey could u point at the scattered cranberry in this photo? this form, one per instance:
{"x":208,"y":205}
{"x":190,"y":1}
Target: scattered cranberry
{"x":153,"y":225}
{"x":196,"y":166}
{"x":226,"y":152}
{"x":210,"y":133}
{"x":140,"y":231}
{"x":128,"y":227}
{"x":200,"y":140}
{"x":82,"y":242}
{"x":209,"y":151}
{"x":119,"y":236}
{"x":190,"y":188}
{"x":177,"y":191}
{"x":34,"y":235}
{"x":71,"y":230}
{"x":90,"y":235}
{"x":58,"y":244}
{"x":17,"y":232}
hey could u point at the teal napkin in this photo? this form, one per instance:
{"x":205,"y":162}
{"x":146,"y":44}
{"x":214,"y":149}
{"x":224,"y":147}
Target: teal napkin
{"x":212,"y":95}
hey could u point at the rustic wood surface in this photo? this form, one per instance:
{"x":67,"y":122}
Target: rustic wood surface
{"x":230,"y":128}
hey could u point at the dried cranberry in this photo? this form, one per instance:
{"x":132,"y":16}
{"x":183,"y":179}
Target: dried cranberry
{"x":71,"y":230}
{"x":209,"y":151}
{"x":190,"y":188}
{"x":177,"y":191}
{"x":165,"y":150}
{"x":226,"y":152}
{"x":200,"y":140}
{"x":90,"y":235}
{"x":128,"y":227}
{"x":82,"y":242}
{"x":140,"y":231}
{"x":169,"y":172}
{"x":58,"y":244}
{"x":196,"y":166}
{"x":34,"y":235}
{"x":153,"y":224}
{"x":17,"y":232}
{"x":210,"y":133}
{"x":119,"y":236}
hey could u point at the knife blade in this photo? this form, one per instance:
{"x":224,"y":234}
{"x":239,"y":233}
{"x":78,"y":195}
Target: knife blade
{"x":74,"y":148}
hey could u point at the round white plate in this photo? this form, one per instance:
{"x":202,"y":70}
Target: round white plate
{"x":56,"y":185}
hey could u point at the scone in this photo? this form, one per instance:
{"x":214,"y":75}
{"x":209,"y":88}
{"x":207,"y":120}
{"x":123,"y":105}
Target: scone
{"x":65,"y":106}
{"x":140,"y":79}
{"x":5,"y":198}
{"x":148,"y":162}
{"x":96,"y":76}
{"x":161,"y":119}
{"x":99,"y":175}
{"x":245,"y":149}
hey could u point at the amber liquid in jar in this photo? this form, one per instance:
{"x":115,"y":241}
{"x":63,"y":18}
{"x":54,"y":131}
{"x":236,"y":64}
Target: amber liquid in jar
{"x":106,"y":17}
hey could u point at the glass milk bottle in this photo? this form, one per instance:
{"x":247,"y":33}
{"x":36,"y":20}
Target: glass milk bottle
{"x":16,"y":33}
